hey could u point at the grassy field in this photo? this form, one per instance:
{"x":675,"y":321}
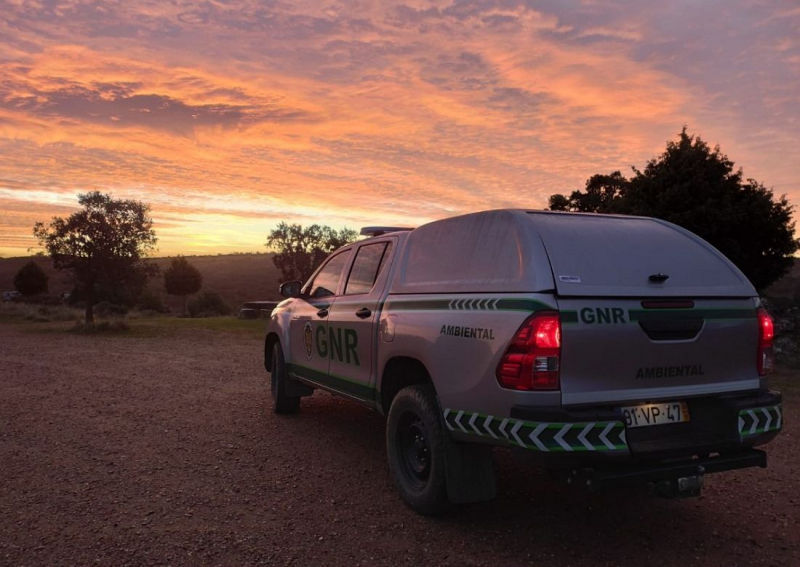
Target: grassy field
{"x":236,"y":277}
{"x":64,"y":319}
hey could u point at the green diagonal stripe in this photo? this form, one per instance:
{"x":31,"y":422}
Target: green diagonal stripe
{"x":467,"y":304}
{"x":569,"y":316}
{"x":418,"y":305}
{"x":513,"y":304}
{"x":667,"y":314}
{"x":338,"y":383}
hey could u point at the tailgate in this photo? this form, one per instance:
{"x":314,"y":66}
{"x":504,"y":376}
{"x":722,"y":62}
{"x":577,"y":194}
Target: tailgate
{"x":619,"y":350}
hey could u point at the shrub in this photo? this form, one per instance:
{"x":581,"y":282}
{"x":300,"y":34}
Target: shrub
{"x":40,"y":313}
{"x":31,"y":279}
{"x":47,"y":300}
{"x":182,"y":279}
{"x":150,"y":301}
{"x":144,"y":314}
{"x":108,"y":309}
{"x":208,"y":304}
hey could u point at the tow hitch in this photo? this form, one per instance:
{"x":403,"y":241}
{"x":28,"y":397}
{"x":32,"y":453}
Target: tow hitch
{"x":672,"y":479}
{"x":683,"y":487}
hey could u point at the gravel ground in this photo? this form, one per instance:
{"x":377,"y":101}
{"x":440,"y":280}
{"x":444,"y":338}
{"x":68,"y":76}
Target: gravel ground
{"x":161,"y":450}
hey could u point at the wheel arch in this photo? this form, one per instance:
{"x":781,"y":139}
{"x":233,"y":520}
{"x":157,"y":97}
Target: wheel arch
{"x":269,"y":342}
{"x":398,"y":373}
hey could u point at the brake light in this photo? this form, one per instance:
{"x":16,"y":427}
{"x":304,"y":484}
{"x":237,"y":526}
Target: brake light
{"x":531,"y":361}
{"x":766,"y":334}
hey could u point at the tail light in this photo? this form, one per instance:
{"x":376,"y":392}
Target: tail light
{"x":766,"y":334}
{"x":531,"y":361}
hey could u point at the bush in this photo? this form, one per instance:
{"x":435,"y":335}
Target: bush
{"x":208,"y":304}
{"x":31,"y":279}
{"x":40,"y":313}
{"x":51,"y":300}
{"x":58,"y":313}
{"x":151,"y":301}
{"x":108,"y":309}
{"x":182,"y":279}
{"x":144,"y":314}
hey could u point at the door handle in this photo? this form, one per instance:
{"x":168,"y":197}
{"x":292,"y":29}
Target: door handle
{"x":322,"y":313}
{"x":363,"y":313}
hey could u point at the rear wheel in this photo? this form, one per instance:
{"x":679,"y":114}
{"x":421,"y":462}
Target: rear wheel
{"x":281,"y":401}
{"x":415,"y":446}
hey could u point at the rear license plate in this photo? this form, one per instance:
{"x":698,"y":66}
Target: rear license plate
{"x":655,"y":414}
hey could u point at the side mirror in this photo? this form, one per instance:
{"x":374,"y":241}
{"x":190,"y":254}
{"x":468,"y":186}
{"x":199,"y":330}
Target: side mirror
{"x":291,"y":289}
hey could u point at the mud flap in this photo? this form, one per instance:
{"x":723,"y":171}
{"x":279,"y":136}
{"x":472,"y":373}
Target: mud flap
{"x":469,"y":470}
{"x":297,"y":388}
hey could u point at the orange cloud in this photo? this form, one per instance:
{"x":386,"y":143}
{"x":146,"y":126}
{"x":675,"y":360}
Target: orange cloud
{"x":228,"y":118}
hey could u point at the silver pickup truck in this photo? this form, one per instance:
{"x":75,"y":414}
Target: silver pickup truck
{"x":609,"y":350}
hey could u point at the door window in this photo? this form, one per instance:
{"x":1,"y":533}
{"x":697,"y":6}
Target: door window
{"x":327,"y":280}
{"x":369,"y":261}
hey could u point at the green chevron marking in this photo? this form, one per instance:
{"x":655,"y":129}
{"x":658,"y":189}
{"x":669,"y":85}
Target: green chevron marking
{"x":467,"y":304}
{"x":590,"y":436}
{"x":746,"y":420}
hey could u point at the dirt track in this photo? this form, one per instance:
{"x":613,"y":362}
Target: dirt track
{"x":119,"y":451}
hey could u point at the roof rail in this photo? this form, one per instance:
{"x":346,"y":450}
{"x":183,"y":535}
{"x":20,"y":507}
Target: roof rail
{"x":381,"y":230}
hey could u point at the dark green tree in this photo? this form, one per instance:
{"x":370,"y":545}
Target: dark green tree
{"x":31,"y":279}
{"x":698,"y":188}
{"x":603,"y":194}
{"x":182,"y":278}
{"x":208,"y":304}
{"x":104,"y":244}
{"x":300,"y":250}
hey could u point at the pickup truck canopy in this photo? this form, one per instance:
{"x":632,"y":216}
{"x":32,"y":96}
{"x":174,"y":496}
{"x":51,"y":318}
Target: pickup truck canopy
{"x":488,"y":252}
{"x":604,"y":255}
{"x":512,"y":250}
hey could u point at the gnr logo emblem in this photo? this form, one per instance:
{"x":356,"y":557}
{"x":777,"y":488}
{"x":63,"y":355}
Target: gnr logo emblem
{"x":308,"y":339}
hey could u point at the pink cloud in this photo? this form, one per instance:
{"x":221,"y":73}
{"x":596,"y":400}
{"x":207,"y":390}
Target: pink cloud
{"x":241,"y":115}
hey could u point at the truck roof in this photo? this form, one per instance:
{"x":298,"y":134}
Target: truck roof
{"x":375,"y":231}
{"x":574,"y":254}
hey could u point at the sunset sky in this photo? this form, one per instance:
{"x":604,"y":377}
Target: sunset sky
{"x":228,"y":116}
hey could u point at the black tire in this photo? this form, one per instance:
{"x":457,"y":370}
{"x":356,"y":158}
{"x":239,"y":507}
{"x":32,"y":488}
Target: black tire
{"x":281,"y":402}
{"x":415,"y":446}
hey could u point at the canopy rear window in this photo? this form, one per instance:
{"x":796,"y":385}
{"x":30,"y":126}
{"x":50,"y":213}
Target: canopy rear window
{"x":615,"y":256}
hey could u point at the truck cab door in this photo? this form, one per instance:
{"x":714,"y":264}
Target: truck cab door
{"x":309,"y":325}
{"x":352,"y":333}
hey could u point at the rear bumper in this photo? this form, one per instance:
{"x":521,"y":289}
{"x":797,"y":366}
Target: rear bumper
{"x":663,"y":474}
{"x":557,"y":438}
{"x":718,"y":425}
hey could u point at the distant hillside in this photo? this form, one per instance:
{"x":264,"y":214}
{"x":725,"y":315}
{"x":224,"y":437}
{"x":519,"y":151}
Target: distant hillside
{"x":253,"y":277}
{"x":236,"y":277}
